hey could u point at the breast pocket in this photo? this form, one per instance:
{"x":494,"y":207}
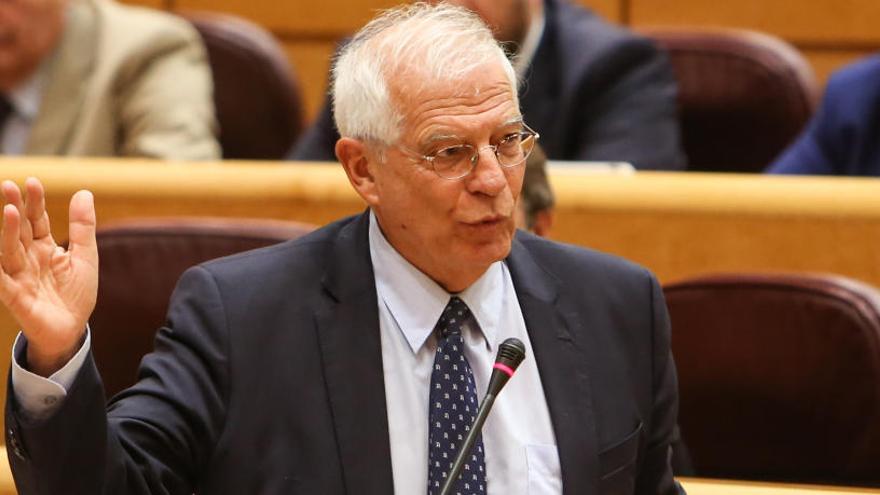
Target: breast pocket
{"x":545,"y":474}
{"x":617,"y":465}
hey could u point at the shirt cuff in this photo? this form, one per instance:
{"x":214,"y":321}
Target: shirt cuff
{"x":39,"y":397}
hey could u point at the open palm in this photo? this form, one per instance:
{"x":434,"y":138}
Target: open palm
{"x":51,"y":291}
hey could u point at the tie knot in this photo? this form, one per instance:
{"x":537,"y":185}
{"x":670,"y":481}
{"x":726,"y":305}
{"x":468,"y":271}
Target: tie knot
{"x":452,"y":318}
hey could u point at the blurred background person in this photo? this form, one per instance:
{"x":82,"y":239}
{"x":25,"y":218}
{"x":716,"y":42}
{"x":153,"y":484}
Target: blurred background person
{"x":593,"y":90}
{"x":535,"y":210}
{"x":843,"y":137}
{"x":92,"y":77}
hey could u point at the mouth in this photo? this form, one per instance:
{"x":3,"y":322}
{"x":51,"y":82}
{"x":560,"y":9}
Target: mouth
{"x":486,"y":224}
{"x":487,"y":220}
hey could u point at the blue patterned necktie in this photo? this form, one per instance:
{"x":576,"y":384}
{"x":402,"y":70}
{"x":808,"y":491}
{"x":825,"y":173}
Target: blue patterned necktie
{"x":453,"y":407}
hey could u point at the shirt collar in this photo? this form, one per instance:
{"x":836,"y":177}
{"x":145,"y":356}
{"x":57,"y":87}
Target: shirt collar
{"x":529,"y":46}
{"x":25,"y":99}
{"x":416,"y":302}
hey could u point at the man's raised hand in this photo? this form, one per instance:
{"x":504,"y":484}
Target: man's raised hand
{"x":49,"y":290}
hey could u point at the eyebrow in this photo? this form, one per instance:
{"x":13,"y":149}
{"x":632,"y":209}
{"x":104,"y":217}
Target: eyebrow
{"x":441,"y":137}
{"x":513,"y":120}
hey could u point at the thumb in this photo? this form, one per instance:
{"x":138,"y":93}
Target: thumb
{"x":81,"y":232}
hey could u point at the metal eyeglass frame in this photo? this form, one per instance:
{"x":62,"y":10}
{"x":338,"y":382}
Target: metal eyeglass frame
{"x":475,"y":157}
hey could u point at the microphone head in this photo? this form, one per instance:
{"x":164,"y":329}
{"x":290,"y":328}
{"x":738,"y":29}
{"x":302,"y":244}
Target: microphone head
{"x":511,"y":353}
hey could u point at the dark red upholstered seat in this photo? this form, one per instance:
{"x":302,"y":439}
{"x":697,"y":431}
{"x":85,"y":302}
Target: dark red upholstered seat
{"x":256,"y":94}
{"x":140,"y":262}
{"x":743,"y":96}
{"x":779,"y":376}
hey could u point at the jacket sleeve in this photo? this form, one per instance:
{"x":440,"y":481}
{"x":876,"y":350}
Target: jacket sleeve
{"x":152,"y":438}
{"x":655,"y":476}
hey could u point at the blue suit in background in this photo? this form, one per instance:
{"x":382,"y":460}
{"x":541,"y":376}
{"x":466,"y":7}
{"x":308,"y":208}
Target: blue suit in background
{"x":594,"y":91}
{"x":843,"y":138}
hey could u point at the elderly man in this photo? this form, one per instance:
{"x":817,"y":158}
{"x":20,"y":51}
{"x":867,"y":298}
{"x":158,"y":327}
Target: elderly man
{"x":594,"y":91}
{"x":351,"y":360}
{"x":91,"y":77}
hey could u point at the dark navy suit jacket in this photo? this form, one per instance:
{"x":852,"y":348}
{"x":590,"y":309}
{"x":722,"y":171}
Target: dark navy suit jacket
{"x":594,"y":91}
{"x":267,"y":380}
{"x":843,"y":138}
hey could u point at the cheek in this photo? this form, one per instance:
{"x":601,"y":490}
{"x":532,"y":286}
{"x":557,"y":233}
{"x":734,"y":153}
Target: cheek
{"x":515,"y":177}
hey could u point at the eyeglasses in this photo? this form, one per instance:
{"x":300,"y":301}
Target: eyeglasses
{"x":457,"y":161}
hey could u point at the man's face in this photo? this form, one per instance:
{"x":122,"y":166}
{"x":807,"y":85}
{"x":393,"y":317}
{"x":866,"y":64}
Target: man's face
{"x":450,"y":227}
{"x":508,"y":19}
{"x":29,"y":30}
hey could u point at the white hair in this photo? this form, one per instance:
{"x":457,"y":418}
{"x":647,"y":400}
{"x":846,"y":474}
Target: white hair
{"x":438,"y":43}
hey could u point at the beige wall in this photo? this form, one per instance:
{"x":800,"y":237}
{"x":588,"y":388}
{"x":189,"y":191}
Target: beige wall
{"x":829,"y":32}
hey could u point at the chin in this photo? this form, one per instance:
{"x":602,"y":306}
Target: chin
{"x":490,"y":252}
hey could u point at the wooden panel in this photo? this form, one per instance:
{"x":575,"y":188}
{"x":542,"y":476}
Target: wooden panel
{"x":827,"y":21}
{"x":155,"y":4}
{"x":311,"y":61}
{"x":611,"y":10}
{"x":331,"y":17}
{"x":825,"y":62}
{"x":697,"y":486}
{"x":312,"y":19}
{"x":681,"y":225}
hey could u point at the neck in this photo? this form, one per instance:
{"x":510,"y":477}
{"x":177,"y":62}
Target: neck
{"x":454,"y":283}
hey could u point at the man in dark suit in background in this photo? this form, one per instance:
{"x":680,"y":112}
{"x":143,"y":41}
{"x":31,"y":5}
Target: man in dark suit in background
{"x":843,"y":138}
{"x":352,"y":360}
{"x":594,"y":91}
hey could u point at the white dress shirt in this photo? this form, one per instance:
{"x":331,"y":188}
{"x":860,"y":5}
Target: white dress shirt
{"x":39,"y":397}
{"x":25,"y":101}
{"x":521,"y":455}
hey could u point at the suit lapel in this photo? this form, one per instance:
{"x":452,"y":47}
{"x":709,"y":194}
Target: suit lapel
{"x":69,"y":73}
{"x":351,"y":350}
{"x":563,"y":368}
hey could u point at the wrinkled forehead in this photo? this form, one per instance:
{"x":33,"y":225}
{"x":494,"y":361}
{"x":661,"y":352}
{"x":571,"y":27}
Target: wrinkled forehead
{"x":412,"y":87}
{"x":481,"y":100}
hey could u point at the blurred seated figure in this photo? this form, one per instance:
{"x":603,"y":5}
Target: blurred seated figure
{"x":743,"y":96}
{"x":91,"y":77}
{"x":842,"y":138}
{"x":594,"y":91}
{"x":535,"y":210}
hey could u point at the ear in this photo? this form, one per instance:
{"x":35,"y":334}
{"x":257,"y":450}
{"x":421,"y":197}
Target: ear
{"x":356,"y":160}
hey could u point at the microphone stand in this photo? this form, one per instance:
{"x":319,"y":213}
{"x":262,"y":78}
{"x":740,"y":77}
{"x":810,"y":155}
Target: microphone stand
{"x":511,"y":352}
{"x":482,"y":413}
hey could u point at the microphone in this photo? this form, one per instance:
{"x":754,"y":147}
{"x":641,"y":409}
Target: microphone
{"x":511,"y":353}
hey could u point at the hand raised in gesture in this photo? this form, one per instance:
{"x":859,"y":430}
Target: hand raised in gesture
{"x":51,"y":291}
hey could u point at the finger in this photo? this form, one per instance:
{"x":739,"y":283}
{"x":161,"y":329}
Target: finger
{"x":13,"y":196}
{"x":35,"y":208}
{"x":13,"y":259}
{"x":82,"y":227}
{"x":11,"y":193}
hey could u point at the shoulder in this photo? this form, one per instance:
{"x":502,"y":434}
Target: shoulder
{"x":296,"y":261}
{"x":586,"y":37}
{"x":860,"y":72}
{"x":135,"y":30}
{"x":856,"y":83}
{"x":848,"y":107}
{"x":575,"y":266}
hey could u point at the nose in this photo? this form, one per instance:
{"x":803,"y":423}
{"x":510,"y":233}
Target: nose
{"x":488,"y":176}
